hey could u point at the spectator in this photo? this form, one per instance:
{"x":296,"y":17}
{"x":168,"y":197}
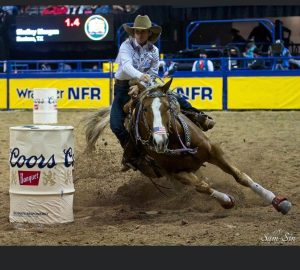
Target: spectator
{"x":258,"y":63}
{"x":62,"y":67}
{"x":72,"y":9}
{"x":280,"y":31}
{"x":203,"y":64}
{"x":83,"y":8}
{"x":169,"y":68}
{"x":55,"y":10}
{"x":233,"y":53}
{"x":104,"y":9}
{"x":11,"y":10}
{"x":261,"y":36}
{"x":250,"y":47}
{"x":130,"y":8}
{"x":117,"y":9}
{"x":276,"y":50}
{"x":45,"y":67}
{"x":236,"y":37}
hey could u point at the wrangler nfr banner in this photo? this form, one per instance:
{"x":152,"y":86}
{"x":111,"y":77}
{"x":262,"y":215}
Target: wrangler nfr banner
{"x":79,"y":93}
{"x":202,"y":93}
{"x":3,"y":94}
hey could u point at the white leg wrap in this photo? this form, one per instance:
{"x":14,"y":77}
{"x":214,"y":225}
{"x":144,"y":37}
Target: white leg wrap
{"x":220,"y":196}
{"x":267,"y":195}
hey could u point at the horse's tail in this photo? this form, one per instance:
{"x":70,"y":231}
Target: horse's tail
{"x":94,"y":126}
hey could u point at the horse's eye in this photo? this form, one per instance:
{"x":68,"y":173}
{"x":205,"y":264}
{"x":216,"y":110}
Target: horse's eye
{"x":144,"y":109}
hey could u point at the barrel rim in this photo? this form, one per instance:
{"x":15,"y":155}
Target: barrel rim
{"x":42,"y":128}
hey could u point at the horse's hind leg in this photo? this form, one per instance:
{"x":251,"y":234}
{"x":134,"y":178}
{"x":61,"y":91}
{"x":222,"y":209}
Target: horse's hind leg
{"x":201,"y":186}
{"x":281,"y":204}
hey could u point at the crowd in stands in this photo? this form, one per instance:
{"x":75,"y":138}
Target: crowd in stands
{"x":254,"y":49}
{"x":69,"y":9}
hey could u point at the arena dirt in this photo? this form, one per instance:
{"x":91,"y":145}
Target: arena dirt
{"x":114,"y":208}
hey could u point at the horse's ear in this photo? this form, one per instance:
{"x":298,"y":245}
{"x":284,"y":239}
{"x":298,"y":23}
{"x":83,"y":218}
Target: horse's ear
{"x":166,"y":86}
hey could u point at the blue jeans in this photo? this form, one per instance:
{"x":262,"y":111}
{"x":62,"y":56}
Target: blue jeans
{"x":117,"y":115}
{"x":184,"y":104}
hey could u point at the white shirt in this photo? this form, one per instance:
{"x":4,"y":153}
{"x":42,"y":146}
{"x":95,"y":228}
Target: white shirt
{"x":210,"y":65}
{"x":134,"y":60}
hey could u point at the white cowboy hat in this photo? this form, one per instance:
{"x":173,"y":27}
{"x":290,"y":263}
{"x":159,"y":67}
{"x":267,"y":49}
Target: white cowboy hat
{"x":143,"y":23}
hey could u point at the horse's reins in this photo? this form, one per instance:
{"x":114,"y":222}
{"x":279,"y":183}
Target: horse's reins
{"x":174,"y":116}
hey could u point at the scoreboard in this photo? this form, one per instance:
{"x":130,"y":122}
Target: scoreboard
{"x":64,"y":28}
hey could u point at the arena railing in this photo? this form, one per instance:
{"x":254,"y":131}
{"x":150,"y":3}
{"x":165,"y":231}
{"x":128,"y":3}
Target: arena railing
{"x":106,"y":67}
{"x":224,"y":68}
{"x":54,"y":66}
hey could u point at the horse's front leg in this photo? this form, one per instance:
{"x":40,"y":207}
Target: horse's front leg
{"x":217,"y":158}
{"x":226,"y":201}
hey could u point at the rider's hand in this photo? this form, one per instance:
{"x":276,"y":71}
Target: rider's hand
{"x":145,"y":78}
{"x":134,"y":91}
{"x":166,"y":74}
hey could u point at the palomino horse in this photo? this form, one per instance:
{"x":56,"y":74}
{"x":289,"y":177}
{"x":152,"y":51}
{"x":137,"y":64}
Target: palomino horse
{"x":175,"y":146}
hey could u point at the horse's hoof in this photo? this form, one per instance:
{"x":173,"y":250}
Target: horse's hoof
{"x":284,"y":207}
{"x":229,"y":205}
{"x":281,"y":204}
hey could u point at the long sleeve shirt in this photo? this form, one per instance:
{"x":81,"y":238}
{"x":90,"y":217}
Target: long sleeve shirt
{"x":134,"y":60}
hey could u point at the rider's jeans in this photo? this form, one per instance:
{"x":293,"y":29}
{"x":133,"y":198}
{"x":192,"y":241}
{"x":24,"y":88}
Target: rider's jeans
{"x":117,"y":115}
{"x":184,"y":104}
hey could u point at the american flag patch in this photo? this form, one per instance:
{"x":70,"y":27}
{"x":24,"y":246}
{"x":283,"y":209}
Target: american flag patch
{"x":159,"y":130}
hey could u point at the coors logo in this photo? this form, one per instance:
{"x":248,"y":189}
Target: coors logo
{"x":29,"y":178}
{"x":16,"y":159}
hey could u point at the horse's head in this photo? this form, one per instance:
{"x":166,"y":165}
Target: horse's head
{"x":154,"y":113}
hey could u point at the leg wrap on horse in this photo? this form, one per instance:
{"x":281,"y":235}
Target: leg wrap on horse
{"x":198,"y":117}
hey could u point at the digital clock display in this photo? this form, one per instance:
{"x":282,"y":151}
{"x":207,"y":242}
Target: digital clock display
{"x":64,"y":28}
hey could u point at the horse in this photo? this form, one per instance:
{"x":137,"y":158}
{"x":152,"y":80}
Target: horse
{"x":172,"y":145}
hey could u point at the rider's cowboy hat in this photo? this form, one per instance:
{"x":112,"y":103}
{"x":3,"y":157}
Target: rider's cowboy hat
{"x":144,"y":23}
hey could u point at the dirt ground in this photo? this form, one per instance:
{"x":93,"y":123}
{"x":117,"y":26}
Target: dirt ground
{"x":114,"y":208}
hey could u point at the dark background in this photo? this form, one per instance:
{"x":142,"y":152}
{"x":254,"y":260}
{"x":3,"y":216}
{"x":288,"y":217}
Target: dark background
{"x":173,"y":20}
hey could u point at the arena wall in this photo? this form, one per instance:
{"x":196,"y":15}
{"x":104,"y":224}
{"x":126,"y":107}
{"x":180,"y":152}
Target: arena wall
{"x":277,"y":90}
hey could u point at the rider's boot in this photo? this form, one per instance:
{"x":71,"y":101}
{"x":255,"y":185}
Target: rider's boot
{"x":130,"y":156}
{"x":201,"y":119}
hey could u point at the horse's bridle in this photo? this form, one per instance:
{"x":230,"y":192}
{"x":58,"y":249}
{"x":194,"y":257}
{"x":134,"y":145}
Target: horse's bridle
{"x":148,"y":93}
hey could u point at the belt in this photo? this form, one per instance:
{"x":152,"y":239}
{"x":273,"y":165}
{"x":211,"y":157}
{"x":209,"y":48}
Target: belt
{"x":122,"y":82}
